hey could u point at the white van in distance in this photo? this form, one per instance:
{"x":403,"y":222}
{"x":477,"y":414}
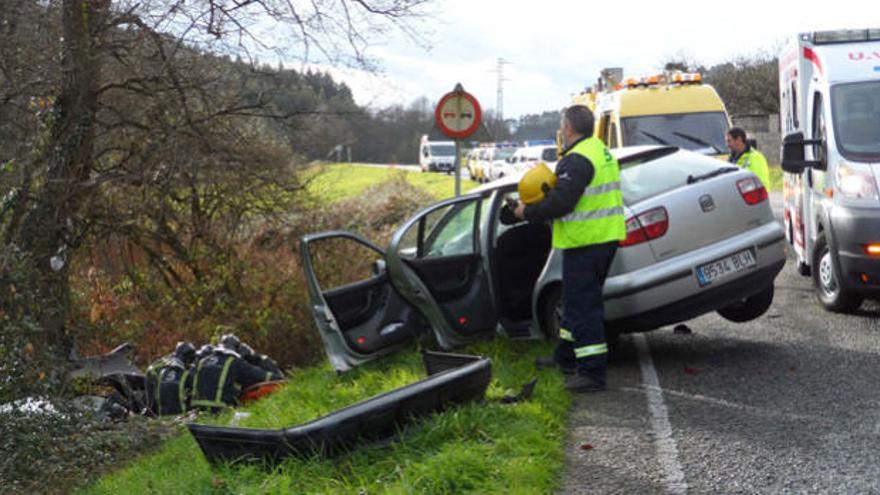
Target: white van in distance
{"x":436,"y":156}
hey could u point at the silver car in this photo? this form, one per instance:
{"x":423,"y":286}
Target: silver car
{"x":701,"y":237}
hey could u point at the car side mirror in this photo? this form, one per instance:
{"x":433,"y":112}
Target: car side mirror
{"x":793,"y":157}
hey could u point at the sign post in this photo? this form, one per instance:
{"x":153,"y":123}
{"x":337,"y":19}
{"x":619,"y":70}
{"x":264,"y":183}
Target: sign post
{"x":458,"y":116}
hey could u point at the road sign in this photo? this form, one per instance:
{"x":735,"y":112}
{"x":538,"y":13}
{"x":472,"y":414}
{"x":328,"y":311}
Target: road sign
{"x":458,"y":113}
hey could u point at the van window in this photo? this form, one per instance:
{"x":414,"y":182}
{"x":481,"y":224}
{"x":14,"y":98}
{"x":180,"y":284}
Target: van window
{"x":701,"y":132}
{"x":604,"y":127}
{"x":794,"y":106}
{"x":549,"y":155}
{"x":442,"y":150}
{"x":613,"y":139}
{"x":818,"y":122}
{"x":855,"y":110}
{"x":504,"y":153}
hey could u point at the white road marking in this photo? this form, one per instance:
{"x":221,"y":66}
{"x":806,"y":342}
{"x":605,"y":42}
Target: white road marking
{"x":667,"y":450}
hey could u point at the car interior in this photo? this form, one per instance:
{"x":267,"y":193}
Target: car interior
{"x":519,"y":253}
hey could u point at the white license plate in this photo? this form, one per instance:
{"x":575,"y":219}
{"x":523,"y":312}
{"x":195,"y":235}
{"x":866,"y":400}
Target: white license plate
{"x":737,"y":262}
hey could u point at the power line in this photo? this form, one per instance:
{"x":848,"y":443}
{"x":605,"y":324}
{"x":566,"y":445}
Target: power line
{"x":499,"y":97}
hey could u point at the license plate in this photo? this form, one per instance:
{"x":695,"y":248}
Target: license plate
{"x":737,"y":262}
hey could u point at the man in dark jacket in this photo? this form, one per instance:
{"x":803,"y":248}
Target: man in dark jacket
{"x":586,"y":208}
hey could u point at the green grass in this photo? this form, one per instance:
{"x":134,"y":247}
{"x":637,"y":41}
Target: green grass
{"x":476,"y":448}
{"x":342,"y":181}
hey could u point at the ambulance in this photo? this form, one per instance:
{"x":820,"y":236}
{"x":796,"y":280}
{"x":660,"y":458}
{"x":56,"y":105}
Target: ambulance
{"x":829,"y":88}
{"x":669,"y":109}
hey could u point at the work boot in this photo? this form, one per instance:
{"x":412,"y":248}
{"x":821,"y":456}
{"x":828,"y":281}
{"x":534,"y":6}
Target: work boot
{"x":544,"y":362}
{"x":583,"y":383}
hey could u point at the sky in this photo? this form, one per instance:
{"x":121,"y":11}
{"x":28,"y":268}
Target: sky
{"x":556,"y":48}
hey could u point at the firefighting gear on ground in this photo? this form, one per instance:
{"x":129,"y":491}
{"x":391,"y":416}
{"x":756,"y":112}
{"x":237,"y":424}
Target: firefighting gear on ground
{"x":210,"y":378}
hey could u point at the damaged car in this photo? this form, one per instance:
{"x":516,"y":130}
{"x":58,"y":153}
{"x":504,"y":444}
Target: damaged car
{"x":701,"y":237}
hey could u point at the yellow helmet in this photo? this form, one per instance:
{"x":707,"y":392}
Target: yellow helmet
{"x":535,"y":183}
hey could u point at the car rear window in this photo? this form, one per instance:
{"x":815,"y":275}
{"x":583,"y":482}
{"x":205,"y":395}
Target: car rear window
{"x":642,"y":179}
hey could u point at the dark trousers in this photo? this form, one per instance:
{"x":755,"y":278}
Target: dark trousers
{"x":583,"y":329}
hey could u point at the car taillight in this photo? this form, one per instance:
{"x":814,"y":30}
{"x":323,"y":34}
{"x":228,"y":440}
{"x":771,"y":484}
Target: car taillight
{"x":646,"y":226}
{"x":751,"y":190}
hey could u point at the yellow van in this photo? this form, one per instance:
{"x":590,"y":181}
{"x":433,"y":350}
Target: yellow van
{"x":668,"y":109}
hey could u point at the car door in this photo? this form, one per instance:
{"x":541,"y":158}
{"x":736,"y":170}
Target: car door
{"x":359,"y":314}
{"x":435,"y":263}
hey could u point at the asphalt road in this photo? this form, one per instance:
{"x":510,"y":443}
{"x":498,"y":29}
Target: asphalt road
{"x":788,"y":403}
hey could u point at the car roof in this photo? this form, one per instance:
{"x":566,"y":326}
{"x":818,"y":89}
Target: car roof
{"x":625,"y":153}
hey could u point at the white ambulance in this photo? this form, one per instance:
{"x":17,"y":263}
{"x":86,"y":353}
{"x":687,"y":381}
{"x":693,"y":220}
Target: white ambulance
{"x":829,"y":84}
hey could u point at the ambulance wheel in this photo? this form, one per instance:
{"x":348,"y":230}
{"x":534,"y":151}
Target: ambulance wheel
{"x":826,"y":280}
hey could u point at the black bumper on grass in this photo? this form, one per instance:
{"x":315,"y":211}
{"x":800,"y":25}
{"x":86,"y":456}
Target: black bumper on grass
{"x":452,"y":379}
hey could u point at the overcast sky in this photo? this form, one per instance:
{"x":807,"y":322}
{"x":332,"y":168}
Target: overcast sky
{"x":556,"y":48}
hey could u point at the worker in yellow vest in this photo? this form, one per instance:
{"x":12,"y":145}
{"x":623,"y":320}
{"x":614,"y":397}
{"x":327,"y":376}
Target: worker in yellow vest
{"x":744,"y":155}
{"x":586,"y":208}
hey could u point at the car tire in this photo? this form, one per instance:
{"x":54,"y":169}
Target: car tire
{"x":826,"y":281}
{"x":551,"y":312}
{"x":551,"y":316}
{"x":749,"y":308}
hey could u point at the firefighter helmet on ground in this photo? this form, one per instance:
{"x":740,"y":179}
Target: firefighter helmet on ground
{"x":230,"y":341}
{"x":185,"y":351}
{"x":536,"y":183}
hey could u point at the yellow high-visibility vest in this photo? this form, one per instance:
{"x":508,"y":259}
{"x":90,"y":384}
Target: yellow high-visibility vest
{"x":598,"y":216}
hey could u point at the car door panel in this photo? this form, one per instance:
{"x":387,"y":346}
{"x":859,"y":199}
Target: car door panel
{"x":448,"y":278}
{"x":358,"y":321}
{"x":435,"y":262}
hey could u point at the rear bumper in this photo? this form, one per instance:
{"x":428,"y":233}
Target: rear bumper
{"x":702,"y":303}
{"x":852,"y":229}
{"x":453,"y":379}
{"x":669,"y":292}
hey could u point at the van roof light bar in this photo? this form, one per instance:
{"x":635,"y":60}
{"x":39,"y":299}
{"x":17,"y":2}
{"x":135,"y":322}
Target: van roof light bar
{"x":845,"y":35}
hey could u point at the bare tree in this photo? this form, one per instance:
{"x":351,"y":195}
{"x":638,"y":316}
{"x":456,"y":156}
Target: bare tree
{"x":141,"y":114}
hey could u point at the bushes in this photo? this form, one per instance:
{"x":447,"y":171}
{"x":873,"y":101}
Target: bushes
{"x":256,"y":290}
{"x":42,"y":452}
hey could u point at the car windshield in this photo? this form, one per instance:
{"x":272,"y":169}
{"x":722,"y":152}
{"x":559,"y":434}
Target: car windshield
{"x":504,"y":153}
{"x":700,"y":132}
{"x":442,"y":150}
{"x":856,"y":111}
{"x":642,"y":179}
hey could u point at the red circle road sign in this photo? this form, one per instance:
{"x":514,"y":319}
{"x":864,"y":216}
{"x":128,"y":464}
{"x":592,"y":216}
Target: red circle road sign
{"x":458,"y":114}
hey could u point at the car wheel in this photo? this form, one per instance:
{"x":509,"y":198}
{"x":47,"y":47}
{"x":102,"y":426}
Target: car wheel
{"x":551,"y":313}
{"x":826,"y":280}
{"x":749,"y":308}
{"x":551,"y":318}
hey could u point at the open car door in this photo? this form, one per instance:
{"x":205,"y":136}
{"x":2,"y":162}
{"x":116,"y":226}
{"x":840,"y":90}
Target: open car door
{"x":358,"y":320}
{"x":435,"y":263}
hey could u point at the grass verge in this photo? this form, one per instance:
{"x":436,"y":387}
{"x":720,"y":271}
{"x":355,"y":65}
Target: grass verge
{"x":477,"y":448}
{"x":340,"y":181}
